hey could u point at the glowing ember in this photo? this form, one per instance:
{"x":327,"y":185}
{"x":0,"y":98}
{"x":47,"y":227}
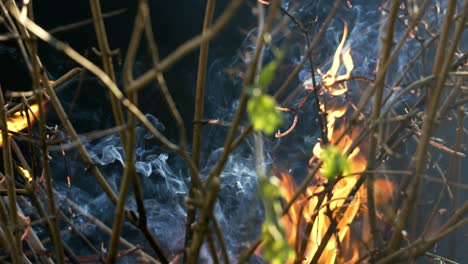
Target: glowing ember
{"x":69,"y":182}
{"x":309,"y":218}
{"x":19,"y":121}
{"x":25,"y":173}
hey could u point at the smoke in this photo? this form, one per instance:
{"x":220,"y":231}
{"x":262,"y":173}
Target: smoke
{"x":165,"y":183}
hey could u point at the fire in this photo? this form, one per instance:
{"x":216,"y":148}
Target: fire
{"x":309,"y":216}
{"x":19,"y":121}
{"x":25,"y":173}
{"x":383,"y":191}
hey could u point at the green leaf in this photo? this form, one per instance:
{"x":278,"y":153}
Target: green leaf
{"x":334,"y":162}
{"x":263,"y":113}
{"x":270,"y":190}
{"x":267,"y":74}
{"x":274,"y":250}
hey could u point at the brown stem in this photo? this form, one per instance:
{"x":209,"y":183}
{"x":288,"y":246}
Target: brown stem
{"x":33,"y":240}
{"x":67,"y":76}
{"x":222,"y":243}
{"x":387,"y":32}
{"x":201,"y":82}
{"x":9,"y":175}
{"x":212,"y":247}
{"x":129,"y":142}
{"x":33,"y":195}
{"x":54,"y":227}
{"x":245,"y":255}
{"x":129,"y":171}
{"x":10,"y":228}
{"x":456,"y":174}
{"x":103,"y":227}
{"x":107,"y":63}
{"x":18,"y":31}
{"x":198,"y":115}
{"x":202,"y":225}
{"x":38,"y":75}
{"x":85,"y":22}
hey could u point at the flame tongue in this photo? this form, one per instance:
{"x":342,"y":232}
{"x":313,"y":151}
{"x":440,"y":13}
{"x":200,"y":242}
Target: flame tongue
{"x":19,"y":121}
{"x":330,"y":78}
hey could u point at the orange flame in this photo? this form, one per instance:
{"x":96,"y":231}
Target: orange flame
{"x":308,"y":209}
{"x":383,"y":191}
{"x":330,"y":78}
{"x":19,"y":121}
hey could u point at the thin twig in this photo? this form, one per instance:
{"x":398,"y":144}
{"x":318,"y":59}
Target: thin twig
{"x":419,"y":246}
{"x":54,"y":227}
{"x":67,"y":76}
{"x":456,"y":172}
{"x":9,"y":175}
{"x":107,"y":63}
{"x":129,"y":143}
{"x":212,"y":247}
{"x":310,"y":49}
{"x":93,"y":220}
{"x":85,"y":22}
{"x":387,"y":32}
{"x":198,"y":114}
{"x":37,"y":76}
{"x":46,"y":218}
{"x":315,"y":87}
{"x":221,"y":241}
{"x":201,"y":82}
{"x":188,"y":46}
{"x":7,"y":224}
